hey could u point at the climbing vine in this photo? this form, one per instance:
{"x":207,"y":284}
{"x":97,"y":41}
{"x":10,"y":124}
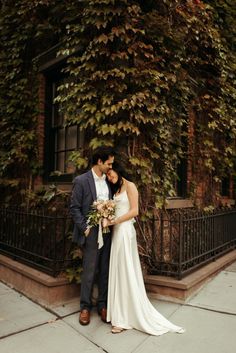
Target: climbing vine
{"x":26,"y":29}
{"x":136,"y":71}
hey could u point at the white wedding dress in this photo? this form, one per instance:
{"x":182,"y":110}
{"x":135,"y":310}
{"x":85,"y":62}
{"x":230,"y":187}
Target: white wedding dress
{"x":128,"y":305}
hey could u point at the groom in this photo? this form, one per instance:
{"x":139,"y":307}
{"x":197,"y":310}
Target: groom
{"x":87,"y":188}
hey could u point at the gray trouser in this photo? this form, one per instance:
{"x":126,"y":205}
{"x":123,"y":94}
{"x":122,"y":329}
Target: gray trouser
{"x":95,"y":265}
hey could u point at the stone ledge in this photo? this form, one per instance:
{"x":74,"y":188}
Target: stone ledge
{"x":48,"y":291}
{"x":168,"y":288}
{"x":178,"y":203}
{"x":36,"y":285}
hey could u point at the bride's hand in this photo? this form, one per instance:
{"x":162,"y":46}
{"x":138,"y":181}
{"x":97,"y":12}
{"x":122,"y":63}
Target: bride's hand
{"x":105,"y":223}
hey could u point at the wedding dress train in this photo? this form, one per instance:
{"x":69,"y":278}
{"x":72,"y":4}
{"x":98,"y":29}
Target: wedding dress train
{"x":128,"y":304}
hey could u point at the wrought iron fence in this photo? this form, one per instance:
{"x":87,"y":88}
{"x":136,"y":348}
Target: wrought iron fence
{"x":183,"y":240}
{"x":186,"y":239}
{"x":36,"y":237}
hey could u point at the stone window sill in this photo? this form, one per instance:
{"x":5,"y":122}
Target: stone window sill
{"x":178,"y":203}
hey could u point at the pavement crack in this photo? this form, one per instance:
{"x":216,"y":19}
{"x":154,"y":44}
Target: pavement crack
{"x":27,"y":329}
{"x":209,"y":309}
{"x":140,"y":344}
{"x":86,"y":337}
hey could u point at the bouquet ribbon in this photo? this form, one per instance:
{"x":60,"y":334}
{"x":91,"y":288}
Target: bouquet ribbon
{"x":100,"y":237}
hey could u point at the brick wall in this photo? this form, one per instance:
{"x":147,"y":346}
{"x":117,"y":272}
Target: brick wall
{"x":200,"y":184}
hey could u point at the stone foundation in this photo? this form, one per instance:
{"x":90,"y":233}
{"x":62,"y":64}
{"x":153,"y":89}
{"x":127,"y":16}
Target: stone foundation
{"x":168,"y":288}
{"x":36,"y":285}
{"x":49,"y":291}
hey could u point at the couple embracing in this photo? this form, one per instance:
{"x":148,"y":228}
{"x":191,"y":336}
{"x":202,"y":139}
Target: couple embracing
{"x":122,"y":298}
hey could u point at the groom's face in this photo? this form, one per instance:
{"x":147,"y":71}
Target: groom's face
{"x":107,"y":165}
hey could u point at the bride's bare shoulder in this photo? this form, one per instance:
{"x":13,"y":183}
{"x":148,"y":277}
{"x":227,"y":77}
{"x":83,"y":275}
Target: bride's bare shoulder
{"x":131,"y":187}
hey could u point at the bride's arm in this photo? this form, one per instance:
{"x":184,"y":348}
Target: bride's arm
{"x":132,"y":193}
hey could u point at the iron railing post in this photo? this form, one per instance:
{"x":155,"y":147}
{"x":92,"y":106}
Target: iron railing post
{"x":180,"y":245}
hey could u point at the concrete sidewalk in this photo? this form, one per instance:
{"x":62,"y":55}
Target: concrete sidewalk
{"x":209,"y":318}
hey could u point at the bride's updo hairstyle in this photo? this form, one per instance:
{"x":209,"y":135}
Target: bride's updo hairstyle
{"x":121,"y":173}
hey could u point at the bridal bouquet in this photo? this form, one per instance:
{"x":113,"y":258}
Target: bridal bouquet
{"x":100,"y":210}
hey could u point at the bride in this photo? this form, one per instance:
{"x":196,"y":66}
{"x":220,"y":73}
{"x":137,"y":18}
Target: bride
{"x":128,"y":305}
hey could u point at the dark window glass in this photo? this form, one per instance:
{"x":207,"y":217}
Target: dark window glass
{"x":181,"y":168}
{"x":181,"y":182}
{"x":225,"y":186}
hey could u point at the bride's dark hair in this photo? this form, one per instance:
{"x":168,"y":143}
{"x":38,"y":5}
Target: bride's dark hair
{"x":121,"y":173}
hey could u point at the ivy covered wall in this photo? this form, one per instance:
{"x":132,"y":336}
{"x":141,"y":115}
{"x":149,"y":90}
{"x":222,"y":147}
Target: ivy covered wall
{"x":141,"y":76}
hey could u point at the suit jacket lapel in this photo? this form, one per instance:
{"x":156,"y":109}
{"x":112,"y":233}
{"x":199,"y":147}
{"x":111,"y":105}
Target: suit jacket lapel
{"x":92,"y":185}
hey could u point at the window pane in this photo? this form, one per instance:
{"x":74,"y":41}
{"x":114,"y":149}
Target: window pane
{"x":80,"y":141}
{"x":60,"y":140}
{"x":57,"y":116}
{"x":225,"y":186}
{"x":181,"y":183}
{"x":71,"y":138}
{"x":70,"y":167}
{"x":60,"y":165}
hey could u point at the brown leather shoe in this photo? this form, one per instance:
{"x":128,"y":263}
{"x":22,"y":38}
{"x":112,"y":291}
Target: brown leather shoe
{"x":84,"y":317}
{"x":103,"y":314}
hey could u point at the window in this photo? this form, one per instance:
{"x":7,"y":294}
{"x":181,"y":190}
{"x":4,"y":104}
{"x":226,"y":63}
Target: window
{"x":60,"y":140}
{"x":181,"y":182}
{"x":181,"y":169}
{"x":225,"y":187}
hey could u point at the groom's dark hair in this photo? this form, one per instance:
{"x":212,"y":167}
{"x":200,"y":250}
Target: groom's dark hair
{"x":102,"y":153}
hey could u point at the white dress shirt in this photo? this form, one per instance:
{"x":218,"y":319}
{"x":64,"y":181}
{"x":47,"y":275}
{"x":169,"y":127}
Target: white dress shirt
{"x":101,"y":186}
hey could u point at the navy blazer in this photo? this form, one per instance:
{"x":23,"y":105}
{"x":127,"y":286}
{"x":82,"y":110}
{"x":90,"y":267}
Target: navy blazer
{"x":83,"y":195}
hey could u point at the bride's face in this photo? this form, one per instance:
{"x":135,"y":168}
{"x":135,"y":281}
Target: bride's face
{"x":112,"y":176}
